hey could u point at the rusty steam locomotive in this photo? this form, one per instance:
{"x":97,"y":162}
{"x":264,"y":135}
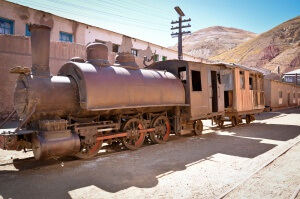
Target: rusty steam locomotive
{"x":91,"y":102}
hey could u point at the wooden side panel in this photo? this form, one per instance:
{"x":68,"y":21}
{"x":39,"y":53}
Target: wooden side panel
{"x":199,"y":99}
{"x":244,"y":96}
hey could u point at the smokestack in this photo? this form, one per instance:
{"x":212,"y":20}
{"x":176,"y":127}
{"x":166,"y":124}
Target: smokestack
{"x":40,"y":49}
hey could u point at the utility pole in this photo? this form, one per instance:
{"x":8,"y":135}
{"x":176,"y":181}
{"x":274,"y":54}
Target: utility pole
{"x":180,"y":33}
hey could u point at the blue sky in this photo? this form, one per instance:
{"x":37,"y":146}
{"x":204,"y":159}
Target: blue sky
{"x":149,"y":20}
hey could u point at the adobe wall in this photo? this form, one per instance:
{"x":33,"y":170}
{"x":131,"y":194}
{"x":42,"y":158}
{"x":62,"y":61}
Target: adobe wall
{"x":290,"y":96}
{"x":82,"y":33}
{"x":16,"y":51}
{"x":268,"y":92}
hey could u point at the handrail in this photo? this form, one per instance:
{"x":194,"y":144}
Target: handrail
{"x":8,"y":118}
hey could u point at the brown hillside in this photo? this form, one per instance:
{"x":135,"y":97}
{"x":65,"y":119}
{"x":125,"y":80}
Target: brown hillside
{"x":214,"y":40}
{"x":279,"y":46}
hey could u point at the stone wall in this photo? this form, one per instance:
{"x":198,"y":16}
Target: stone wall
{"x":16,"y":51}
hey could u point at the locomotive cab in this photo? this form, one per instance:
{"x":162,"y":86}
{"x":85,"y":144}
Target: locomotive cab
{"x":204,"y":92}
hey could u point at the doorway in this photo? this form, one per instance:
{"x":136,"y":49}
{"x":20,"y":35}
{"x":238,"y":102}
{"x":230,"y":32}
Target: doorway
{"x":214,"y":85}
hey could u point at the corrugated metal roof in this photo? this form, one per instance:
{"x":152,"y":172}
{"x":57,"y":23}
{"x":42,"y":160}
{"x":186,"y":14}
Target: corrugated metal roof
{"x":293,"y":72}
{"x":249,"y":68}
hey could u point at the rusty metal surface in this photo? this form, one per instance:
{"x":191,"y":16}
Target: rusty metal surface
{"x":110,"y":136}
{"x":53,"y":144}
{"x":77,"y":59}
{"x":122,"y":134}
{"x":97,"y":54}
{"x":8,"y":142}
{"x":9,"y":138}
{"x":40,"y":49}
{"x":53,"y":125}
{"x":118,"y":87}
{"x":54,"y":95}
{"x":82,"y":92}
{"x":20,"y":70}
{"x":12,"y":131}
{"x":126,"y":60}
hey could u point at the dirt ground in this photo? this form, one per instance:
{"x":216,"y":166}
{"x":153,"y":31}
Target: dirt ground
{"x":225,"y":163}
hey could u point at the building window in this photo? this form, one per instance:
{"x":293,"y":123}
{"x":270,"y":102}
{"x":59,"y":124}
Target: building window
{"x":100,"y":41}
{"x":289,"y":79}
{"x":27,"y":32}
{"x":156,"y":57}
{"x":182,"y":74}
{"x":294,"y":94}
{"x":164,"y":58}
{"x":6,"y":26}
{"x":134,"y":51}
{"x":242,"y":80}
{"x":251,"y":83}
{"x":115,"y":48}
{"x":196,"y":81}
{"x":65,"y":37}
{"x":280,"y":94}
{"x":280,"y":97}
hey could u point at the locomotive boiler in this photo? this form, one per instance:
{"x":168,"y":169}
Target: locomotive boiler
{"x":90,"y":102}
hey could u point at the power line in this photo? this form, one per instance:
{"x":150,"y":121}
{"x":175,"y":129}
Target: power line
{"x":131,"y":8}
{"x":103,"y":12}
{"x":87,"y":16}
{"x":151,"y":6}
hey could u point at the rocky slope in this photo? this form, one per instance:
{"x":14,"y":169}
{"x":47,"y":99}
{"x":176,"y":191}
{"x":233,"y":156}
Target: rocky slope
{"x":279,"y":46}
{"x":213,"y":41}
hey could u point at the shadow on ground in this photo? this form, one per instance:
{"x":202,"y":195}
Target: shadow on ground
{"x":277,"y":114}
{"x":121,"y":170}
{"x":275,"y":132}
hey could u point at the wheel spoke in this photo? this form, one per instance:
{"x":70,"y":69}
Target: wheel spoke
{"x":133,"y":141}
{"x":90,"y":152}
{"x":162,"y":135}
